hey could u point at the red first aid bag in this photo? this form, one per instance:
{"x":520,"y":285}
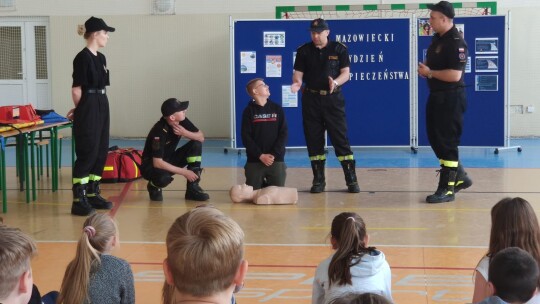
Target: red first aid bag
{"x":122,"y":165}
{"x":18,"y":114}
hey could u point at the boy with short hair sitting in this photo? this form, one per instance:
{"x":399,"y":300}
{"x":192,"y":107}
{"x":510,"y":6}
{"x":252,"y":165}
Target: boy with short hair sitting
{"x":264,"y":134}
{"x":16,"y":251}
{"x":513,"y":277}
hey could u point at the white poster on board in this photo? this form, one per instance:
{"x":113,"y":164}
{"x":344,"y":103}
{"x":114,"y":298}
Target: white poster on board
{"x":273,"y":65}
{"x":248,"y":62}
{"x":289,"y":99}
{"x":273,"y":39}
{"x":486,"y":45}
{"x":487,"y":64}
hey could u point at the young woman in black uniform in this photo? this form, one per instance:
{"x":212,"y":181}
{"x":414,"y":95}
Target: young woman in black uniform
{"x":90,"y":118}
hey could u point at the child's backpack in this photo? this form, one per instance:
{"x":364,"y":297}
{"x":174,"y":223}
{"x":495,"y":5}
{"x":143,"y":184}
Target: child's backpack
{"x":122,"y":165}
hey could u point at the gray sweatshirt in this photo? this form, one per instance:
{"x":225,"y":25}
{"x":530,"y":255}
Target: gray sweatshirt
{"x":111,"y":282}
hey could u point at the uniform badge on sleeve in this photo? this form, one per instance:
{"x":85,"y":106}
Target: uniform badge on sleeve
{"x":461,"y":55}
{"x":155,"y":144}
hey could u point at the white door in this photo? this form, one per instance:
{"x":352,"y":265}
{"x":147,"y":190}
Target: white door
{"x":24,"y":68}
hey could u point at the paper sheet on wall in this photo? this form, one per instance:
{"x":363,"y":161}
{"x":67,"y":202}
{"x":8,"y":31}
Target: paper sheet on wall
{"x":248,"y":62}
{"x":273,"y":65}
{"x":486,"y":45}
{"x":468,"y":65}
{"x":487,"y":64}
{"x":274,"y":39}
{"x":486,"y":82}
{"x":289,"y":99}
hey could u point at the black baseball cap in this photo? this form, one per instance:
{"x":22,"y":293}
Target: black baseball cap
{"x":173,"y":105}
{"x":443,"y":7}
{"x":94,"y":24}
{"x":318,"y":25}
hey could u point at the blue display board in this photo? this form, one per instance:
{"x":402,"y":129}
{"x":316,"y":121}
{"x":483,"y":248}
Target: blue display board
{"x":484,"y":118}
{"x":378,"y":98}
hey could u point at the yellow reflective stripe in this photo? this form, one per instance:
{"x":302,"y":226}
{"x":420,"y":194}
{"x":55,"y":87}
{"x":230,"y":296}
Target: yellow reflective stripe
{"x":451,"y":183}
{"x":459,"y":183}
{"x":441,"y":161}
{"x":81,"y":181}
{"x":108,"y":168}
{"x":346,"y":157}
{"x":193,"y":159}
{"x":136,"y":170}
{"x":450,"y":163}
{"x":317,"y":157}
{"x":96,"y":178}
{"x":449,"y":193}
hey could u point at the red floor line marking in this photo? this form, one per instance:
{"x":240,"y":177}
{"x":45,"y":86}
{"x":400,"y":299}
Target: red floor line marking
{"x":118,"y":200}
{"x":309,"y":266}
{"x":393,"y":267}
{"x":433,"y":268}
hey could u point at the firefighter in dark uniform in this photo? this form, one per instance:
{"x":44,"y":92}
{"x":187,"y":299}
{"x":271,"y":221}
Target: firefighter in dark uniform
{"x":445,"y":69}
{"x":90,"y":118}
{"x":323,"y":66}
{"x":161,"y":160}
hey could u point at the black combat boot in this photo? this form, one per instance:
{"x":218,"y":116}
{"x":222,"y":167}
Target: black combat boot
{"x":349,"y":169}
{"x":94,"y":198}
{"x":462,"y":179}
{"x":154,"y":192}
{"x":445,"y":190}
{"x":319,"y":181}
{"x":194,"y":192}
{"x":80,"y":204}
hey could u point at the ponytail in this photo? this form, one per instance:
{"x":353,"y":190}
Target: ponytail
{"x":74,"y":287}
{"x":98,"y":230}
{"x":349,"y":232}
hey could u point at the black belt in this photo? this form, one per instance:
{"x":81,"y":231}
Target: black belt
{"x":323,"y":92}
{"x":447,"y":89}
{"x":96,"y":91}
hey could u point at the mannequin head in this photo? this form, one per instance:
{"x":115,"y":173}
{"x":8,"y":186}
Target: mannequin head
{"x":241,"y":193}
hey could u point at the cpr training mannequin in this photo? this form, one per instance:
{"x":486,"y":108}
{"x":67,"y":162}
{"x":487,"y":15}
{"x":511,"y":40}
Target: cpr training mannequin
{"x":271,"y":195}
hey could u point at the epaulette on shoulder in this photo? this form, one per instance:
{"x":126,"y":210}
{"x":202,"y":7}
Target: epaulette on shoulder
{"x":303,"y":45}
{"x":343,"y":45}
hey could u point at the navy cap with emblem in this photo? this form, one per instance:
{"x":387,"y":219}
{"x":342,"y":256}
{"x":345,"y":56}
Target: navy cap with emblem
{"x":173,"y":105}
{"x":318,"y":25}
{"x":443,"y":7}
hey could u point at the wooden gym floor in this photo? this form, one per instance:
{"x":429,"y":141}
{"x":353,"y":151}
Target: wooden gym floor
{"x":432,"y":249}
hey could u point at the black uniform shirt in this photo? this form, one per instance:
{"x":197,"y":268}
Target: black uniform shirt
{"x":317,"y":64}
{"x":90,"y":71}
{"x":264,"y":130}
{"x":448,"y":51}
{"x":161,"y":141}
